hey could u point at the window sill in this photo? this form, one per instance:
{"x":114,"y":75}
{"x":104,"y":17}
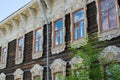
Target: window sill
{"x":37,"y":54}
{"x":2,"y":65}
{"x":58,"y":49}
{"x":78,"y":43}
{"x":18,"y":61}
{"x":108,"y":35}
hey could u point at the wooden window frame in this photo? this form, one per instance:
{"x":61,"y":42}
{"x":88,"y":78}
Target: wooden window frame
{"x":17,"y":49}
{"x":100,"y":18}
{"x":54,"y":41}
{"x":34,"y":40}
{"x":73,"y":25}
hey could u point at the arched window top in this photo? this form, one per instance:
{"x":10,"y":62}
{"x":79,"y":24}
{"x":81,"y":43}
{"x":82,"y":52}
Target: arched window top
{"x":74,"y":61}
{"x":37,"y":72}
{"x":110,"y":53}
{"x":18,"y":74}
{"x":2,"y":76}
{"x":58,"y":65}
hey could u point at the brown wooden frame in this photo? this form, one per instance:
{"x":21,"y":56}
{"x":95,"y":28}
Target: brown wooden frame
{"x":34,"y":39}
{"x":56,"y":31}
{"x":73,"y":25}
{"x":100,"y":18}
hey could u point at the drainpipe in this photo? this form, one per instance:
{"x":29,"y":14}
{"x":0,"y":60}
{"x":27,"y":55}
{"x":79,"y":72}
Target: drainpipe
{"x":45,"y":16}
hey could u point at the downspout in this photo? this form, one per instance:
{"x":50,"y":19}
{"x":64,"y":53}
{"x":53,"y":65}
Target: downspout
{"x":45,"y":16}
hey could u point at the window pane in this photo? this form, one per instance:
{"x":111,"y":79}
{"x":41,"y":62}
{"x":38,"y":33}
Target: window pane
{"x":112,"y":72}
{"x":104,"y":5}
{"x":82,"y":29}
{"x":57,"y":38}
{"x":76,"y":30}
{"x":4,"y":54}
{"x":61,"y":36}
{"x":37,"y":78}
{"x":59,"y":76}
{"x":59,"y":25}
{"x":105,"y":25}
{"x":20,"y":47}
{"x":38,"y":43}
{"x":78,"y":16}
{"x":113,"y":18}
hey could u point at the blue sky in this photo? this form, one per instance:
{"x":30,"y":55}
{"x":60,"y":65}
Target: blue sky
{"x":8,"y":7}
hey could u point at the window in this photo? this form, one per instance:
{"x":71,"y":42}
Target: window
{"x":58,"y":76}
{"x":18,"y":74}
{"x":78,"y":27}
{"x":108,"y":16}
{"x":112,"y":72}
{"x":20,"y":48}
{"x":2,"y":76}
{"x":38,"y":40}
{"x":37,"y":78}
{"x":58,"y":32}
{"x":58,"y":69}
{"x":37,"y":72}
{"x":4,"y":55}
{"x":37,"y":43}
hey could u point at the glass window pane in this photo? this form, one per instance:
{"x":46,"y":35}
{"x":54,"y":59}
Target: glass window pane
{"x":61,"y":36}
{"x":56,"y":40}
{"x":4,"y":54}
{"x":105,"y":25}
{"x":82,"y":29}
{"x":112,"y":72}
{"x":37,"y":78}
{"x":76,"y":30}
{"x":59,"y":25}
{"x":78,"y":16}
{"x":59,"y":76}
{"x":20,"y":47}
{"x":113,"y":18}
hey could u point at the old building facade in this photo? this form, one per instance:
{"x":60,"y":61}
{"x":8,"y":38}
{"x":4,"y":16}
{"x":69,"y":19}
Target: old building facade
{"x":23,"y":36}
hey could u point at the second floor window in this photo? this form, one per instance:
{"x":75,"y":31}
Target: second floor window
{"x":78,"y":27}
{"x":58,"y":36}
{"x":3,"y":55}
{"x":108,"y":16}
{"x":20,"y":47}
{"x":38,"y":40}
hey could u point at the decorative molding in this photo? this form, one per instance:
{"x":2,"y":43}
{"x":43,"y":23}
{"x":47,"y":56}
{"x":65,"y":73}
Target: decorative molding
{"x":18,"y":74}
{"x":76,"y":6}
{"x":2,"y":76}
{"x":110,"y":53}
{"x":38,"y":54}
{"x":109,"y":34}
{"x":76,"y":62}
{"x":37,"y":70}
{"x":59,"y":48}
{"x":58,"y":66}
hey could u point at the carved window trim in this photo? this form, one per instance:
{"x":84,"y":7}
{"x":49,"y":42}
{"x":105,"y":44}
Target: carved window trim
{"x":3,"y":64}
{"x":110,"y":53}
{"x":108,"y":35}
{"x":36,"y":55}
{"x":37,"y":70}
{"x":19,"y":60}
{"x":61,"y":47}
{"x":2,"y":76}
{"x":77,"y":6}
{"x":58,"y":65}
{"x":18,"y":74}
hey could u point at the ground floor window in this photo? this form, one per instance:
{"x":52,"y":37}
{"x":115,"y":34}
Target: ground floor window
{"x":112,"y":72}
{"x":37,"y":78}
